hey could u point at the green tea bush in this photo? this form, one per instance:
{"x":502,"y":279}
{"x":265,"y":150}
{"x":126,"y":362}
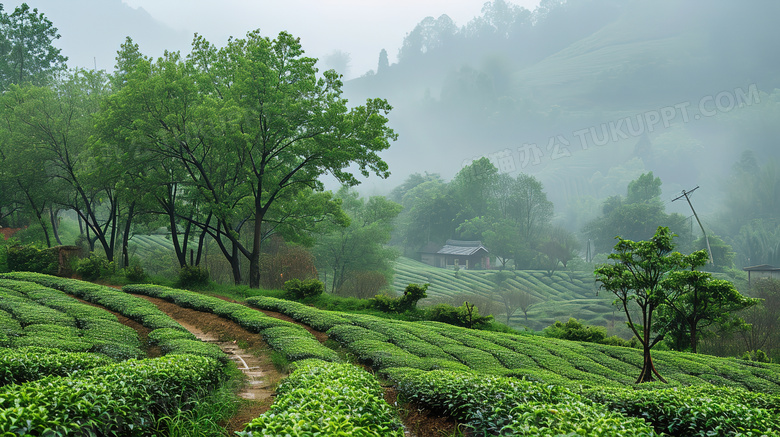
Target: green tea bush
{"x":119,"y":399}
{"x":295,"y":343}
{"x":193,"y":276}
{"x":94,"y":267}
{"x":327,"y":399}
{"x":26,"y":364}
{"x":497,"y":405}
{"x":697,"y":411}
{"x":31,"y":258}
{"x":297,"y":289}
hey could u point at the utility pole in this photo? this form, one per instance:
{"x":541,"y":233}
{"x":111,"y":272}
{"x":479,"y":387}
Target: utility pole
{"x":707,"y":240}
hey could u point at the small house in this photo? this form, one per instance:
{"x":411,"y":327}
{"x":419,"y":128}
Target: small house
{"x":762,"y":271}
{"x":469,"y":255}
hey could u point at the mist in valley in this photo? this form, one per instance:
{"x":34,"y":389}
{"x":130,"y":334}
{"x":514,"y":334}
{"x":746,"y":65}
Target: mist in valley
{"x":542,"y":129}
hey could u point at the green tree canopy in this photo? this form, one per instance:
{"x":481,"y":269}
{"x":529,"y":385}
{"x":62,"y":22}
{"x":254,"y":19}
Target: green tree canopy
{"x":26,"y":47}
{"x":254,"y":127}
{"x":699,"y":301}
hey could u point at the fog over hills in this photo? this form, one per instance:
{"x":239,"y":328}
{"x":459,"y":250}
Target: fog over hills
{"x":588,"y":94}
{"x":583,"y":94}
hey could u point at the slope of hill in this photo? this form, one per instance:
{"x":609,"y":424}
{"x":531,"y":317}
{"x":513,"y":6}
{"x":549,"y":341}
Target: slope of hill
{"x":562,"y":295}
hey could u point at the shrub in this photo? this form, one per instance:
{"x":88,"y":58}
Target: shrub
{"x":135,"y":273}
{"x":190,"y":276}
{"x":285,"y":262}
{"x":297,"y":289}
{"x":407,"y":302}
{"x":412,"y":294}
{"x":30,"y":258}
{"x":576,"y":331}
{"x":466,"y":315}
{"x":94,"y":267}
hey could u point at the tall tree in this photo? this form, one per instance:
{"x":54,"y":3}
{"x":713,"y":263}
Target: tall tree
{"x":635,"y":216}
{"x":26,"y":47}
{"x":635,"y":276}
{"x":53,"y":125}
{"x":254,"y":127}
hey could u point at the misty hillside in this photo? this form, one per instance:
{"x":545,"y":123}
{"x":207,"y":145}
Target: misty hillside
{"x":564,"y":72}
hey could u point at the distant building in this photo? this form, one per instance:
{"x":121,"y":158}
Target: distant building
{"x":469,"y":255}
{"x":762,"y":271}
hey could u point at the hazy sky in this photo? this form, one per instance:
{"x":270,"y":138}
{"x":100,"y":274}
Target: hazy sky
{"x":359,"y":27}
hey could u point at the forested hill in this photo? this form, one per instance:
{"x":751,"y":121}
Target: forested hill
{"x":512,"y":77}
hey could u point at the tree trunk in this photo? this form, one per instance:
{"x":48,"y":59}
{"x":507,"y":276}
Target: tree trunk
{"x":126,"y":235}
{"x":235,"y":265}
{"x":648,"y":373}
{"x":55,"y":226}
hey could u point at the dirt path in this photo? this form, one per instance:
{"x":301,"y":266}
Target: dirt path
{"x":251,"y":355}
{"x":247,"y":349}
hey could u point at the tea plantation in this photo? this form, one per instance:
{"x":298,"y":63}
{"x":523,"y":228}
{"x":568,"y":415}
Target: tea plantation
{"x":491,"y":383}
{"x":559,"y":296}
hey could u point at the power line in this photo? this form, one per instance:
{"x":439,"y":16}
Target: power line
{"x":707,"y":240}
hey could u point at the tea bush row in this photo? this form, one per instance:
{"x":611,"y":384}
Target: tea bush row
{"x":289,"y":339}
{"x":318,"y":319}
{"x":327,"y":399}
{"x":127,"y":305}
{"x":26,"y":364}
{"x":119,"y":399}
{"x":702,"y":410}
{"x":508,"y":406}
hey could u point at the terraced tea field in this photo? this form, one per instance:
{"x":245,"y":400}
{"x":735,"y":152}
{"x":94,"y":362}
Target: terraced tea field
{"x":490,"y":383}
{"x":563,"y":295}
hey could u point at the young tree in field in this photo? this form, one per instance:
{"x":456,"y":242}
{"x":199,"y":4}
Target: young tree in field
{"x":635,"y":276}
{"x":699,"y":301}
{"x":26,"y":49}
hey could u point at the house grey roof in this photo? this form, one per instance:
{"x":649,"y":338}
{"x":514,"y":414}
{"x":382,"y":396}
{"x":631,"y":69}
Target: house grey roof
{"x":761,"y":268}
{"x":463,"y":248}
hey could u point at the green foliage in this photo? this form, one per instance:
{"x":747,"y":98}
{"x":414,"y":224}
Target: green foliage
{"x":118,"y":399}
{"x":30,"y":258}
{"x":696,"y":411}
{"x":193,"y":276}
{"x":406,"y":302}
{"x":297,"y":289}
{"x":25,"y":364}
{"x":635,"y":217}
{"x":695,"y":301}
{"x":26,"y":43}
{"x":134,"y":273}
{"x":321,"y":398}
{"x":466,"y":315}
{"x":508,"y":406}
{"x":94,"y":267}
{"x":357,"y":243}
{"x":634,"y":277}
{"x":575,"y":330}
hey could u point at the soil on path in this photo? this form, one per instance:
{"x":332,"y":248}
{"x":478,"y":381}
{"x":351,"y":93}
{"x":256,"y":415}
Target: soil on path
{"x":247,"y":349}
{"x":251,"y":355}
